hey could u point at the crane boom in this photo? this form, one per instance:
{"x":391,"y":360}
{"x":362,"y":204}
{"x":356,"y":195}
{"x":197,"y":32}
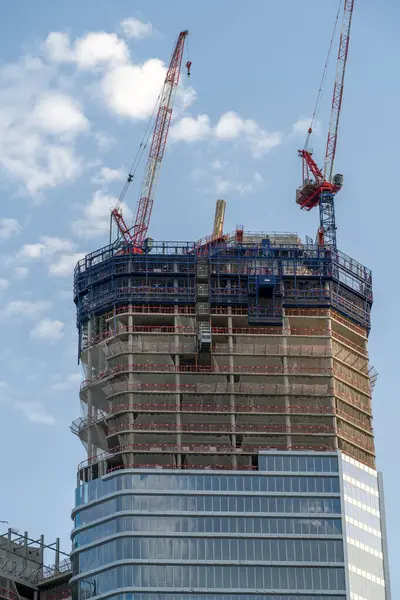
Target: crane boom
{"x":157,"y":148}
{"x":338,"y":89}
{"x":136,"y":236}
{"x":322,"y":188}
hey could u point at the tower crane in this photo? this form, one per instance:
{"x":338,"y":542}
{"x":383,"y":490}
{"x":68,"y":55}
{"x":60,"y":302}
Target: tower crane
{"x":137,"y":234}
{"x":319,"y":187}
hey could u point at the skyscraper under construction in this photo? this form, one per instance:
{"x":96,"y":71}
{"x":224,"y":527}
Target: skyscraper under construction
{"x":227,"y":406}
{"x":227,"y":420}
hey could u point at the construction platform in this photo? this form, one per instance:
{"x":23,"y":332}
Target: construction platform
{"x":200,"y":355}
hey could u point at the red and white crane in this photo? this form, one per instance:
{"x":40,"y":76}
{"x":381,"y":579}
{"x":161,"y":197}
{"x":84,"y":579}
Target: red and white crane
{"x":137,"y":234}
{"x":319,"y":187}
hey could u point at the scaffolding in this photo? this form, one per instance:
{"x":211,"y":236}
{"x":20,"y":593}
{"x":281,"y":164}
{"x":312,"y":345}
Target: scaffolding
{"x":202,"y":359}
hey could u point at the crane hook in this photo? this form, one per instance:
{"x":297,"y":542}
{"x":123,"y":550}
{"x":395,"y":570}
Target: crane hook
{"x":188,"y":65}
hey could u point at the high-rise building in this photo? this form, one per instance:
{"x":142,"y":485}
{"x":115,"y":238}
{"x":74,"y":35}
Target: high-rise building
{"x":228,"y":427}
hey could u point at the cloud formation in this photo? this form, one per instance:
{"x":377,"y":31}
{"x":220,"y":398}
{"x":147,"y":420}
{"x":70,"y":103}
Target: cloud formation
{"x":108,"y":175}
{"x":35,"y":413}
{"x":9,"y":228}
{"x":29,"y":309}
{"x":126,"y":88}
{"x":59,"y":253}
{"x":34,"y":119}
{"x":48,"y":330}
{"x":229,"y":127}
{"x":88,"y":52}
{"x":134,"y":28}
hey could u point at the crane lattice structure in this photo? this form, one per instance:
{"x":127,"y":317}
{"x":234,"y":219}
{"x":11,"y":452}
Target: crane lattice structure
{"x":136,"y":235}
{"x":319,"y":187}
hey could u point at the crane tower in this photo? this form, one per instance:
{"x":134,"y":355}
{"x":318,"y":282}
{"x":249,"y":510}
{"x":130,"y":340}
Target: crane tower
{"x":319,"y":187}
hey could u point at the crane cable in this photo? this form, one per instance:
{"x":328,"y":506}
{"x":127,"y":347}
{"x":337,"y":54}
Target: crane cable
{"x":323,"y":79}
{"x":139,"y":154}
{"x":142,"y":147}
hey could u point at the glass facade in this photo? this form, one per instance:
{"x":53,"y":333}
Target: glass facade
{"x":304,"y":526}
{"x":274,"y":533}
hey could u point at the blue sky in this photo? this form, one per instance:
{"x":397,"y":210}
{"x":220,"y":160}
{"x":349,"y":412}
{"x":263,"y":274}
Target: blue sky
{"x":77,"y":83}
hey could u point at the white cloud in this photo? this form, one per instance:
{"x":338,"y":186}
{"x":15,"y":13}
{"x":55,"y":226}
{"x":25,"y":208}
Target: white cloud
{"x":48,"y":246}
{"x":224,"y":185}
{"x":35,"y":413}
{"x":99,"y":47}
{"x":57,"y":113}
{"x":108,"y":175}
{"x":59,"y":253}
{"x":4,"y":284}
{"x":57,"y":46}
{"x":20,"y":272}
{"x":226,"y":178}
{"x":185,"y":97}
{"x":127,"y":88}
{"x":229,"y":127}
{"x":191,"y":129}
{"x":41,"y":124}
{"x":32,"y":250}
{"x":48,"y":330}
{"x":132,"y":90}
{"x":302,"y":126}
{"x":9,"y":228}
{"x":65,"y":264}
{"x":87,"y":52}
{"x":55,"y":244}
{"x":134,"y":28}
{"x":26,"y":308}
{"x":96,"y":216}
{"x":31,"y":119}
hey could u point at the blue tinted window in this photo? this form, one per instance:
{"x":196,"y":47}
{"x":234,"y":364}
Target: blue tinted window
{"x":216,"y":482}
{"x":189,"y":503}
{"x":238,"y":578}
{"x":210,"y":549}
{"x":175,"y":596}
{"x":300,"y":463}
{"x":232,"y":525}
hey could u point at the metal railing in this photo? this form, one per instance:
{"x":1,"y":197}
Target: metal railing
{"x":216,"y":370}
{"x":214,"y":449}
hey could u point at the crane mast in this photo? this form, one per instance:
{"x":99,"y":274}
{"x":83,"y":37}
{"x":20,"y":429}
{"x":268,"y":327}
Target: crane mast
{"x":137,"y":235}
{"x":218,"y":229}
{"x":324,"y":185}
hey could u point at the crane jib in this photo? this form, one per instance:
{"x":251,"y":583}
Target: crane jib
{"x":157,"y":149}
{"x":319,"y":187}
